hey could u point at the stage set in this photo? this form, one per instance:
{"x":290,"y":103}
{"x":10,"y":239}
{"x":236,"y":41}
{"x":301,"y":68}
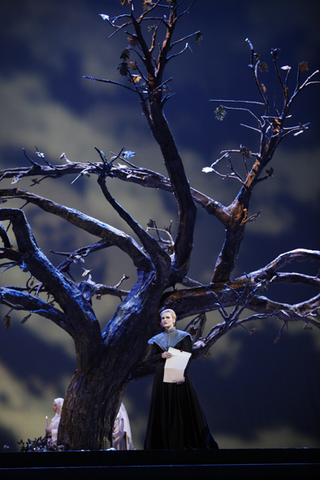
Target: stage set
{"x":248,"y":464}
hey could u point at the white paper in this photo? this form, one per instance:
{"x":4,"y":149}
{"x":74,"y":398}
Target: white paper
{"x":175,"y":366}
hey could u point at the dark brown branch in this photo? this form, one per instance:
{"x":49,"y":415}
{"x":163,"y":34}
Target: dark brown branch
{"x":158,"y":256}
{"x":112,"y":82}
{"x":20,"y":300}
{"x":296,"y":279}
{"x":271,"y":134}
{"x":205,"y":298}
{"x":65,"y":294}
{"x":108,"y":234}
{"x":141,"y":176}
{"x":297,"y":255}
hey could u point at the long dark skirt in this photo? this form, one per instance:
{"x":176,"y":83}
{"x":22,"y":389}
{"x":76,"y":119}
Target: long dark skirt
{"x":176,"y":419}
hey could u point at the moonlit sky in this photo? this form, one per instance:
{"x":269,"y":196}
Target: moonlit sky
{"x":255,"y":393}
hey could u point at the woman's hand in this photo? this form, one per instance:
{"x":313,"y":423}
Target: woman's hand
{"x":48,"y":431}
{"x":166,"y":355}
{"x":198,"y":344}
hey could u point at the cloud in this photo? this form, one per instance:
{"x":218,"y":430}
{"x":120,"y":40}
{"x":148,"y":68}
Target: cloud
{"x":33,"y":117}
{"x":282,"y":437}
{"x":21,"y":411}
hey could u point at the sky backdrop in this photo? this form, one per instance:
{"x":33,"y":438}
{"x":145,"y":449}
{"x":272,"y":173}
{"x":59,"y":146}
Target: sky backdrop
{"x":255,"y":393}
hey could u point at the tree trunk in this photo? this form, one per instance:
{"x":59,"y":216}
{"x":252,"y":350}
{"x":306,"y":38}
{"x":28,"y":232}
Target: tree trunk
{"x":90,"y":407}
{"x":94,"y":395}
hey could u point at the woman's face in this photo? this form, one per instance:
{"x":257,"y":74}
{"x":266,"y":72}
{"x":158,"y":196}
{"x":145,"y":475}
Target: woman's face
{"x":54,"y":407}
{"x":167,"y":320}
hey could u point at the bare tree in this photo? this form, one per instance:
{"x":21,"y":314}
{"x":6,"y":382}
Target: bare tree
{"x":108,"y":360}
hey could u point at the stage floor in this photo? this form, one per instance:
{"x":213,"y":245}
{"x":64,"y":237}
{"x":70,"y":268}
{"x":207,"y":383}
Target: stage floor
{"x":257,"y":464}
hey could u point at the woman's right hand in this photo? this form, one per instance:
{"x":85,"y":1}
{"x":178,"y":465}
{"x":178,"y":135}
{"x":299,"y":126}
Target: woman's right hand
{"x":166,"y":355}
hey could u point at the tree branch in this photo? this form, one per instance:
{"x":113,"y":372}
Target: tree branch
{"x":159,"y":257}
{"x":79,"y":317}
{"x":21,"y":300}
{"x":110,"y":235}
{"x":138,"y":175}
{"x":214,"y":296}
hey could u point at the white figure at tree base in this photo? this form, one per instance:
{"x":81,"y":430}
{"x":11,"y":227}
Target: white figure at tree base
{"x":54,"y":424}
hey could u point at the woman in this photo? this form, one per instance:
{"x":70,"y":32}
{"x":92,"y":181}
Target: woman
{"x":121,"y":435}
{"x":54,"y":425}
{"x":176,"y":419}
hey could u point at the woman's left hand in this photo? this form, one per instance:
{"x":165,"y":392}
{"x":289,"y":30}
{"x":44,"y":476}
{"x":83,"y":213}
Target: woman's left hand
{"x":198,"y":344}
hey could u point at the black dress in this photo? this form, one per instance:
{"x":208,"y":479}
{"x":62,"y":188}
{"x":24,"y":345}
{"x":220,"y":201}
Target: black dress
{"x":176,"y":419}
